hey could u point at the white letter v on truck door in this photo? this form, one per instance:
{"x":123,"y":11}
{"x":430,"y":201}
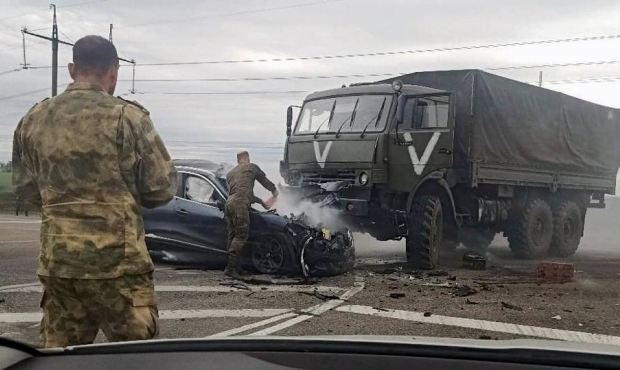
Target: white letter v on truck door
{"x":420,"y":163}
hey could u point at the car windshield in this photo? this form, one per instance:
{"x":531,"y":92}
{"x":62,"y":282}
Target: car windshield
{"x":314,"y":168}
{"x":345,"y":114}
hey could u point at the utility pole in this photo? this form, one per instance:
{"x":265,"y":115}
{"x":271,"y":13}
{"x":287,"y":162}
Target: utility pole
{"x":55,"y":42}
{"x":54,"y":53}
{"x":111,"y":25}
{"x":540,"y":79}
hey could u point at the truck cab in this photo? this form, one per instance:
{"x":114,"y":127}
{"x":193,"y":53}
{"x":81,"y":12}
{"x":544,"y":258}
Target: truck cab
{"x":383,"y":139}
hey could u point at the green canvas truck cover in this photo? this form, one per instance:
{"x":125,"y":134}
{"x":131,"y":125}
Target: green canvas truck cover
{"x":504,"y":122}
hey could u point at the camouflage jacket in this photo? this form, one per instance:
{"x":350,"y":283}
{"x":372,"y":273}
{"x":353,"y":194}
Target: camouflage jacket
{"x":241,"y":183}
{"x":91,"y":160}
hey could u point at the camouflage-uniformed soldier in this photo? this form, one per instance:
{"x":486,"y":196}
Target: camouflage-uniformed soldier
{"x":241,"y":195}
{"x":91,"y":160}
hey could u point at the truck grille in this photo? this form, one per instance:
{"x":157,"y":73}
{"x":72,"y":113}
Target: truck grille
{"x":316,"y":177}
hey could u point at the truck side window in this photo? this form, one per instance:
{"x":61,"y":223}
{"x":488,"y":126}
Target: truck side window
{"x":431,"y":112}
{"x":424,"y":113}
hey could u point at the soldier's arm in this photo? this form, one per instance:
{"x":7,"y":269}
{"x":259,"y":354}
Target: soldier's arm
{"x":156,"y":177}
{"x":26,"y":188}
{"x":264,"y":181}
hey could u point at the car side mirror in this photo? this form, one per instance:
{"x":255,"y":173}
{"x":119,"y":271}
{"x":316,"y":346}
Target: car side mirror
{"x":400,"y":109}
{"x":289,"y":120}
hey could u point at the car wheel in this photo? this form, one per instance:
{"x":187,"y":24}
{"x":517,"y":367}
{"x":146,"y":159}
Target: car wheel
{"x":269,"y":254}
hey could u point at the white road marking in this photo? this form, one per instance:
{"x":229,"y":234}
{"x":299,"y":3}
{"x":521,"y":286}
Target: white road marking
{"x":314,"y":310}
{"x":19,"y":241}
{"x":502,"y":327}
{"x":36,"y":288}
{"x":17,"y":287}
{"x":23,"y":317}
{"x":253,"y":325}
{"x":18,"y":222}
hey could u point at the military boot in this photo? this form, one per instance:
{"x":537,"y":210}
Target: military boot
{"x":232,"y":267}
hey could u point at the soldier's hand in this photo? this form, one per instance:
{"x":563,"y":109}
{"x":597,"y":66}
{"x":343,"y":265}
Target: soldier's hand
{"x":270,"y":202}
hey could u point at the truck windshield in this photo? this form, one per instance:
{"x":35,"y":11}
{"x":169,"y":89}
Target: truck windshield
{"x":367,"y":116}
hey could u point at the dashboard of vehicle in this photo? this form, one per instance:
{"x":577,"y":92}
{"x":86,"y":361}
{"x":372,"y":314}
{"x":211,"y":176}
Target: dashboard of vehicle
{"x":302,"y":353}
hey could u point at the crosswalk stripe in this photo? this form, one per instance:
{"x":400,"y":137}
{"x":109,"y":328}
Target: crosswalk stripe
{"x":502,"y":327}
{"x":36,"y":288}
{"x":23,"y":317}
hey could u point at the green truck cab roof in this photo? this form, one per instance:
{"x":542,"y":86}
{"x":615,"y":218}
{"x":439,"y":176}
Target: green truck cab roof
{"x":363,"y":89}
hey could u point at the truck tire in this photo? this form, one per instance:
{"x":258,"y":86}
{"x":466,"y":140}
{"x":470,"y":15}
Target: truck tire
{"x":477,"y":239}
{"x":531,"y":230}
{"x":567,"y":229}
{"x":425,"y":232}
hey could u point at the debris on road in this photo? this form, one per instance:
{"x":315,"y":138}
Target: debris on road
{"x":474,"y":261}
{"x":511,"y":306}
{"x":321,"y":296}
{"x":555,"y":272}
{"x":557,"y":317}
{"x":396,"y":295}
{"x":463,"y":291}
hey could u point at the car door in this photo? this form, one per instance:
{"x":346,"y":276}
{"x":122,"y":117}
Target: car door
{"x":422,"y":142}
{"x":199,"y":219}
{"x":159,"y":221}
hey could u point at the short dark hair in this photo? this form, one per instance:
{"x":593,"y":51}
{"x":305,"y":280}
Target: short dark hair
{"x":94,"y":54}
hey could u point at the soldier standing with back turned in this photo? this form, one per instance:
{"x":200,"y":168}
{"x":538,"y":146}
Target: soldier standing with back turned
{"x":91,"y":160}
{"x":240,"y":196}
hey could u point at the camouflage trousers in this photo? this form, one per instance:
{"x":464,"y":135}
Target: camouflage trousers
{"x":237,"y":225}
{"x":75,"y":309}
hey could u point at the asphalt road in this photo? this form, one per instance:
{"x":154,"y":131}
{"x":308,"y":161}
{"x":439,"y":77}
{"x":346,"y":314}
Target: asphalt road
{"x":380,"y":297}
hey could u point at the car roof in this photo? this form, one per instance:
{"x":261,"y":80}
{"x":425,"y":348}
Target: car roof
{"x":203,"y":165}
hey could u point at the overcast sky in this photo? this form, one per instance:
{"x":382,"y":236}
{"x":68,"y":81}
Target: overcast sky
{"x":191,"y":30}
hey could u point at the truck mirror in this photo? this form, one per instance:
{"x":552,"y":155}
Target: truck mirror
{"x":289,"y":120}
{"x":400,"y":109}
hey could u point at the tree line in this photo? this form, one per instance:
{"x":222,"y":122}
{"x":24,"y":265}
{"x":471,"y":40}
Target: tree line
{"x":6,"y":166}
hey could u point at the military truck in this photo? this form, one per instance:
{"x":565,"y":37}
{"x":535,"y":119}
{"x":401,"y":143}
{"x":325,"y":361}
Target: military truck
{"x":448,"y":157}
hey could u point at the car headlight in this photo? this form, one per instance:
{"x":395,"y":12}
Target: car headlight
{"x":363,"y":178}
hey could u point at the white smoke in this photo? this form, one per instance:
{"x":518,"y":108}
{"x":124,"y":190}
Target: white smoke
{"x":316,"y":215}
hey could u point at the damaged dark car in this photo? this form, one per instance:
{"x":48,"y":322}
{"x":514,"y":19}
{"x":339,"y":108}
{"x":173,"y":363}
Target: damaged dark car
{"x":191,"y":230}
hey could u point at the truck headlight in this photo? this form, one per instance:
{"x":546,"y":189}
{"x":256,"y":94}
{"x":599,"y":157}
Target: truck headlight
{"x":363,"y":178}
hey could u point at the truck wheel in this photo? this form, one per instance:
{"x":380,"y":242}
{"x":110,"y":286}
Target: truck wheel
{"x":477,"y":239}
{"x":531,"y":230}
{"x":425,"y":232}
{"x":567,"y":224}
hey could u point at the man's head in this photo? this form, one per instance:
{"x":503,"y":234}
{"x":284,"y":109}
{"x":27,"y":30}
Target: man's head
{"x":243,"y":157}
{"x":95,"y":60}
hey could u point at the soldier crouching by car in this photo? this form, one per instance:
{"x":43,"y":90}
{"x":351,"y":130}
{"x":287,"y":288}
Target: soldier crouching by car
{"x":91,"y":160}
{"x":241,"y":195}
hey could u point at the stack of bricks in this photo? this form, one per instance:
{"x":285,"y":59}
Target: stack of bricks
{"x":555,"y":272}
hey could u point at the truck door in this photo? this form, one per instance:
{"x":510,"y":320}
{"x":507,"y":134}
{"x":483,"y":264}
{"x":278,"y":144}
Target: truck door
{"x":422,"y":142}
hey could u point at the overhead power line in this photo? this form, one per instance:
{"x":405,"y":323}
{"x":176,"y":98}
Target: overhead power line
{"x":585,"y":80}
{"x":27,"y":93}
{"x":388,"y":53}
{"x":222,"y":15}
{"x":553,"y":65}
{"x":72,"y":5}
{"x":11,"y":71}
{"x":320,"y":77}
{"x":263,"y":92}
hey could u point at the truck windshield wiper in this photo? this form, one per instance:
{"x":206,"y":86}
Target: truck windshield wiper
{"x":352,"y":116}
{"x":331,"y":115}
{"x":376,"y":118}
